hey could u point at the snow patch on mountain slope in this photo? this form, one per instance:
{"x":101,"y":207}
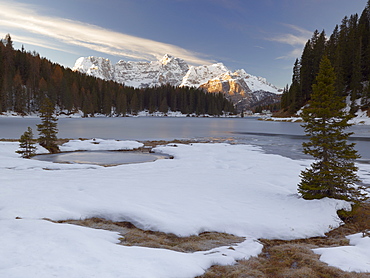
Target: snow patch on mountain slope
{"x":197,"y":76}
{"x":256,"y":83}
{"x":168,"y":70}
{"x":95,"y":66}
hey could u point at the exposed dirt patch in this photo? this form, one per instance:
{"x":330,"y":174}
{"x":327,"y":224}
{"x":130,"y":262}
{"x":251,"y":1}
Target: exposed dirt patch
{"x":133,"y":236}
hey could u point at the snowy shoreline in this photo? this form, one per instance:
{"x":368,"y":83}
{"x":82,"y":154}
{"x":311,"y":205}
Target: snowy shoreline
{"x":360,"y":119}
{"x":207,"y":187}
{"x":80,"y":114}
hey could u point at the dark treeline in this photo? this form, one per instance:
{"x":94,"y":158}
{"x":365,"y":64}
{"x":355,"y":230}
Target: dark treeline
{"x":26,"y":79}
{"x":275,"y":107}
{"x":348,"y":49}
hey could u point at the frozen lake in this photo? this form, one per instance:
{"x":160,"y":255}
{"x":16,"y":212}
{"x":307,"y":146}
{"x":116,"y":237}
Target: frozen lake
{"x":104,"y":158}
{"x":282,"y":138}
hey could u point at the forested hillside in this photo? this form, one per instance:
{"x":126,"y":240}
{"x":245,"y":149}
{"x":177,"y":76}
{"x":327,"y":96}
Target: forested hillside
{"x":348,"y":49}
{"x":26,"y":79}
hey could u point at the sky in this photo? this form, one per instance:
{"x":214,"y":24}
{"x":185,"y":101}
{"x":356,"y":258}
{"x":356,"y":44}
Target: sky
{"x":262,"y":37}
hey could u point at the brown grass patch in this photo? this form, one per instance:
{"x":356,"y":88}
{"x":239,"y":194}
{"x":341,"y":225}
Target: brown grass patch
{"x":282,"y":260}
{"x":279,"y":258}
{"x":177,"y":141}
{"x":60,"y":141}
{"x":9,"y":140}
{"x":295,"y":259}
{"x":133,"y":236}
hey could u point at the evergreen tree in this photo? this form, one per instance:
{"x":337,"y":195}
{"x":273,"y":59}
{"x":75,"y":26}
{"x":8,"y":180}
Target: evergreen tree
{"x":19,"y":95}
{"x":134,"y":104}
{"x":364,"y":35}
{"x":295,"y":90}
{"x":366,"y":96}
{"x":348,"y":49}
{"x":26,"y":144}
{"x":355,"y":85}
{"x":333,"y":174}
{"x":164,"y":106}
{"x":121,"y":107}
{"x":307,"y":70}
{"x":48,"y":127}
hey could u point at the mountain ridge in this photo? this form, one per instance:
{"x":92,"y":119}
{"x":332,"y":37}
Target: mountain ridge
{"x":243,"y":89}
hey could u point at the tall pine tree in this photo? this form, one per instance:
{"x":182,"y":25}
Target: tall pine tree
{"x":48,"y":127}
{"x":333,"y":174}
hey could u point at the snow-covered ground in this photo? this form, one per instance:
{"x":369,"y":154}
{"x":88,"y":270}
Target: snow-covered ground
{"x":236,"y":189}
{"x":349,"y":258}
{"x":360,"y":119}
{"x":97,"y":144}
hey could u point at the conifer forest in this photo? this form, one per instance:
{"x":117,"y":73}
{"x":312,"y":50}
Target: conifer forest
{"x":26,"y":79}
{"x":348,"y":49}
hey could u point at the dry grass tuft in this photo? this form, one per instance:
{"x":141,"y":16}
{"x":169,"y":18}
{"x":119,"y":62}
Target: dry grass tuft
{"x":279,"y":259}
{"x":8,"y":140}
{"x":295,"y":259}
{"x":133,"y":236}
{"x":284,"y":260}
{"x":358,"y":221}
{"x":153,"y":144}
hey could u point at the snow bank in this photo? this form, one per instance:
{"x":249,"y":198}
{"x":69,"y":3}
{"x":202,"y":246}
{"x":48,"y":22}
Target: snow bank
{"x":37,"y":248}
{"x":236,"y":189}
{"x":99,"y":145}
{"x":288,"y":119}
{"x":361,"y":118}
{"x":207,"y":187}
{"x":354,"y":258}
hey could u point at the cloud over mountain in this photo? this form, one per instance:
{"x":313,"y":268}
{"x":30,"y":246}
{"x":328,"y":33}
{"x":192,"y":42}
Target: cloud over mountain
{"x":22,"y":17}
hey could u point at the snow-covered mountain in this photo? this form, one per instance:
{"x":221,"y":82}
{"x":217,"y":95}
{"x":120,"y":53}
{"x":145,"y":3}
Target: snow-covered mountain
{"x":168,"y":70}
{"x":95,"y":66}
{"x":243,"y":89}
{"x":196,"y":76}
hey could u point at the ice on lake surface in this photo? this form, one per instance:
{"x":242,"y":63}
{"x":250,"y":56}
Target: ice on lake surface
{"x":105,"y":158}
{"x":283,"y":138}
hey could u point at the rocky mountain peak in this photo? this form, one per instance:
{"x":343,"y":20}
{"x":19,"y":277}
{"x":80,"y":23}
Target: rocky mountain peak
{"x":167,"y":58}
{"x":95,"y":66}
{"x":217,"y":77}
{"x":197,"y":76}
{"x":172,"y":63}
